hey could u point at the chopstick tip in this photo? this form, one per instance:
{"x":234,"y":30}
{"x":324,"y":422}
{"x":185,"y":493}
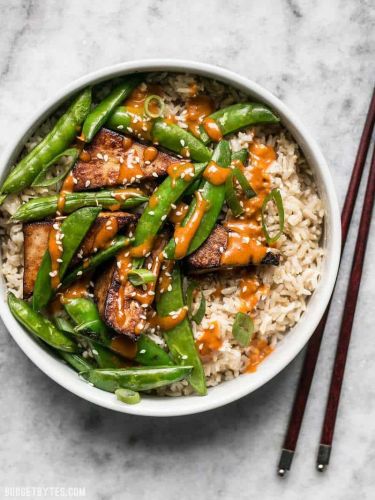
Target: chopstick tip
{"x":323,"y":457}
{"x":285,"y":462}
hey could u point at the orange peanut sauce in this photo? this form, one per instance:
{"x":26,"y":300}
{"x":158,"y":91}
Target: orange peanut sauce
{"x":215,"y":174}
{"x":246,"y":242}
{"x":127,"y":143}
{"x":212,"y":129}
{"x":150,"y":154}
{"x":77,"y":290}
{"x":196,"y":111}
{"x":55,"y":249}
{"x":180,"y":170}
{"x":142,"y":249}
{"x":66,"y":188}
{"x":124,"y":346}
{"x":251,"y":292}
{"x":106,"y":233}
{"x":121,"y":195}
{"x":140,"y":124}
{"x":177,"y":215}
{"x":130,"y":168}
{"x":166,"y":323}
{"x":209,"y":341}
{"x":84,"y":156}
{"x":183,"y":235}
{"x":165,"y":277}
{"x":259,"y":350}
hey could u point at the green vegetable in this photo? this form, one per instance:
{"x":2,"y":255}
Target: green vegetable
{"x":106,"y":358}
{"x":180,"y":339}
{"x":100,"y":114}
{"x":142,"y":378}
{"x":275,"y":196}
{"x":40,"y":208}
{"x":231,"y":197}
{"x":153,"y":217}
{"x":76,"y":361}
{"x":85,"y":314}
{"x":175,"y":138}
{"x":243,"y":329}
{"x":38,"y":325}
{"x":128,"y":396}
{"x":199,"y":315}
{"x":41,"y":179}
{"x":51,"y":146}
{"x":244,"y":183}
{"x":63,"y":324}
{"x":139,"y":277}
{"x":238,"y":116}
{"x":168,"y":135}
{"x":74,"y":229}
{"x":214,"y":195}
{"x":119,"y":242}
{"x":148,"y":102}
{"x":242,"y":155}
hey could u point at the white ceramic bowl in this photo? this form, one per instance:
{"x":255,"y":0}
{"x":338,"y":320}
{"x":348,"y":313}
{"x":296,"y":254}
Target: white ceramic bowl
{"x":296,"y":338}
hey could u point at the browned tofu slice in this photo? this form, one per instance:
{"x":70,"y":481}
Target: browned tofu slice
{"x":208,"y":257}
{"x":106,"y":292}
{"x":36,"y":234}
{"x":35,"y":244}
{"x":107,"y":153}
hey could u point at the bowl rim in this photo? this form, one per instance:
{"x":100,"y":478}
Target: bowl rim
{"x":292,"y":344}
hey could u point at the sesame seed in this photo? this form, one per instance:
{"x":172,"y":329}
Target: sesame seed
{"x":100,"y":156}
{"x":53,"y":274}
{"x":79,"y":273}
{"x":154,"y":174}
{"x":120,"y":127}
{"x":87,"y":183}
{"x":163,"y":217}
{"x":151,"y":212}
{"x":105,"y":157}
{"x":169,"y":288}
{"x":59,"y":260}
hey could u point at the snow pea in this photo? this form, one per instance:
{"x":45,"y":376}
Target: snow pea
{"x":168,"y":135}
{"x":55,"y":142}
{"x":214,"y":195}
{"x":237,"y":116}
{"x":85,"y":314}
{"x":140,"y":378}
{"x":180,"y":339}
{"x":97,"y":259}
{"x":40,"y":326}
{"x":99,"y":115}
{"x":76,"y":361}
{"x":40,"y":208}
{"x":242,"y":155}
{"x":165,"y":195}
{"x":179,"y":140}
{"x":74,"y":229}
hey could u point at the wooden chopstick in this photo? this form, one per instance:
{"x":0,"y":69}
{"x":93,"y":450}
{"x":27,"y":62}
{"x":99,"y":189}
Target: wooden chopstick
{"x":347,"y":322}
{"x":308,"y":369}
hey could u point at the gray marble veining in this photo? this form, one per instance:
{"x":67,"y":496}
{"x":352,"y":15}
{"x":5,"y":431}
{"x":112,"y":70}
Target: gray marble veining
{"x":318,"y":57}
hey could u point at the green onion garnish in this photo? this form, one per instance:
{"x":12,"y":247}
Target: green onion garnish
{"x":243,"y":329}
{"x":231,"y":197}
{"x":274,"y":196}
{"x":244,"y":183}
{"x":41,"y":179}
{"x":199,"y":315}
{"x":160,"y":105}
{"x":128,"y":396}
{"x":141,"y":277}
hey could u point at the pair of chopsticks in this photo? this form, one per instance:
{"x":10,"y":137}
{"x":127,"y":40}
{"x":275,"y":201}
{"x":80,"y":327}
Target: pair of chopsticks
{"x":312,"y":352}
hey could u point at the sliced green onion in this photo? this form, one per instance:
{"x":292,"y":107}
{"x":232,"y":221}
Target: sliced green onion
{"x":199,"y":315}
{"x":244,"y":183}
{"x":41,"y":179}
{"x":141,"y":277}
{"x":128,"y":396}
{"x":63,"y":324}
{"x":243,"y":329}
{"x":161,"y":106}
{"x":231,"y":197}
{"x":274,"y":196}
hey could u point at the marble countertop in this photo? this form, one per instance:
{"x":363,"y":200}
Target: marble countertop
{"x":317,"y":57}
